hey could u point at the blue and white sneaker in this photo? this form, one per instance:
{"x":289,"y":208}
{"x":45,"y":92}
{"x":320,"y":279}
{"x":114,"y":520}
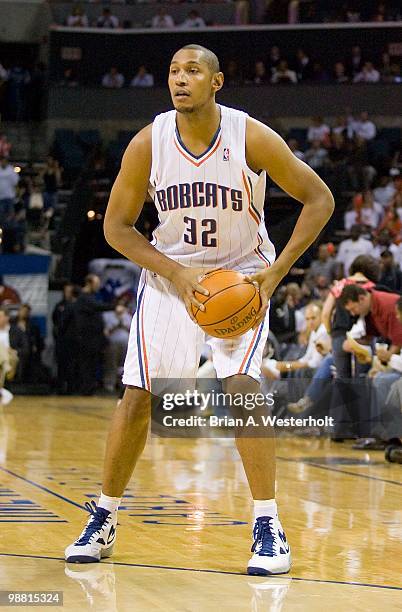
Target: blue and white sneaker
{"x":97,"y":539}
{"x":271,"y":549}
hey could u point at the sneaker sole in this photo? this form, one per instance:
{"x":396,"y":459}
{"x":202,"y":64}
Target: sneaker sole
{"x":260,"y":571}
{"x":106,"y":552}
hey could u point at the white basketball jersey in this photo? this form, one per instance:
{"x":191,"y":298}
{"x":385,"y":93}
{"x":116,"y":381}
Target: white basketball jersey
{"x":211,"y":207}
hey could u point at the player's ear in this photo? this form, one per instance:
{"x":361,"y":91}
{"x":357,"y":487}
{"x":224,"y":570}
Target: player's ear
{"x":217,"y":81}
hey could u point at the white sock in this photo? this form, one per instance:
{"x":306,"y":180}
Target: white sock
{"x":265,"y":507}
{"x":109,"y":503}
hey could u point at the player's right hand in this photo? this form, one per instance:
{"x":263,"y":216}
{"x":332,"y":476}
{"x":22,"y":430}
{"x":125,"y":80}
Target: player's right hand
{"x":187,"y":282}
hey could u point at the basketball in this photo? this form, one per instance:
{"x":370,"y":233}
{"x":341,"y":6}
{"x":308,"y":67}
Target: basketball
{"x":231,"y":306}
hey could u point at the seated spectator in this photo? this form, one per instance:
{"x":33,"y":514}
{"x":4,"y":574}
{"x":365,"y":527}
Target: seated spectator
{"x":260,"y":76}
{"x":77,"y":18}
{"x":365,"y":212}
{"x":282,"y":74}
{"x":316,"y":156}
{"x":8,"y":295}
{"x":66,"y":341}
{"x":274,"y":59}
{"x":368,"y":74}
{"x":69,"y":78}
{"x":385,"y":69}
{"x":113,"y":79}
{"x":355,"y":61}
{"x":340,"y":75}
{"x":25,"y":335}
{"x":193,"y":20}
{"x":162,"y":19}
{"x":385,"y":190}
{"x":117,"y":331}
{"x":378,"y":310}
{"x":294,"y":147}
{"x":350,"y":248}
{"x":8,"y":357}
{"x":5,"y":146}
{"x":391,"y":275}
{"x":232,"y":74}
{"x":283,"y":318}
{"x":392,"y":224}
{"x":312,"y":358}
{"x":107,"y":20}
{"x":324,"y":266}
{"x":341,"y":126}
{"x":3,"y":74}
{"x":319,"y":74}
{"x":319,"y":131}
{"x":8,"y":183}
{"x":143,"y":78}
{"x":304,"y":69}
{"x":51,"y":176}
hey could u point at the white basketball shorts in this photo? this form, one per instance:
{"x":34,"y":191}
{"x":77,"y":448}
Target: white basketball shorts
{"x":165,"y":343}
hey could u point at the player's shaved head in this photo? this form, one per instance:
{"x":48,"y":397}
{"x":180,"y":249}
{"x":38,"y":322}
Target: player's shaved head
{"x":208,"y":56}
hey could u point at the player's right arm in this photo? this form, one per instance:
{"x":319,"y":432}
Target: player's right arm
{"x":124,"y":207}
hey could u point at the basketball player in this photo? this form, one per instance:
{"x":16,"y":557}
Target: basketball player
{"x":205,"y":166}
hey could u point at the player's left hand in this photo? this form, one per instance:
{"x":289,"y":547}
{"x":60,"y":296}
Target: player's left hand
{"x":267,"y":281}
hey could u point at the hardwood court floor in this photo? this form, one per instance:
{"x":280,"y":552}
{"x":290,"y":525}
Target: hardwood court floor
{"x":184,"y":536}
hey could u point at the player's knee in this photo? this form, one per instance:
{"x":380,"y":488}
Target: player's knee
{"x":137,"y":404}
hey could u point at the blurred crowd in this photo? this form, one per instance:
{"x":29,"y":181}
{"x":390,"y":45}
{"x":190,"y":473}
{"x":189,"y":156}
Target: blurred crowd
{"x":89,"y":340}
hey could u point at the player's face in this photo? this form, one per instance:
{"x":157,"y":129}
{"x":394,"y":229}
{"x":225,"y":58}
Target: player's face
{"x":191,"y":82}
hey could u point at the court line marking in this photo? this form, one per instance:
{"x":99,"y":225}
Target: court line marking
{"x":211,"y":571}
{"x":332,"y":469}
{"x":38,"y":486}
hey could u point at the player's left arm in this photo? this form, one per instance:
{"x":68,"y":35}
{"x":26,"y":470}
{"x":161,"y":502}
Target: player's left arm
{"x":266,"y":150}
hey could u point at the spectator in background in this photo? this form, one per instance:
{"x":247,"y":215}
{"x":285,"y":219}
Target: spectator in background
{"x":18,"y":79}
{"x":8,"y":183}
{"x":8,"y":357}
{"x":312,"y":357}
{"x":90,"y":336}
{"x":316,"y":156}
{"x":365,"y":212}
{"x":282,"y":74}
{"x":365,"y":128}
{"x":143,"y":78}
{"x":391,"y":276}
{"x":355,"y":61}
{"x":77,"y":18}
{"x":304,"y":69}
{"x":368,"y":74}
{"x":294,"y":147}
{"x":117,"y":331}
{"x":274,"y":59}
{"x":162,"y":19}
{"x":5,"y":146}
{"x":193,"y":20}
{"x":107,"y":20}
{"x":319,"y":130}
{"x":340,"y":75}
{"x":113,"y":79}
{"x":3,"y":73}
{"x":51,"y":177}
{"x":324,"y":266}
{"x":385,"y":190}
{"x":341,"y":126}
{"x":66,"y":341}
{"x":260,"y":76}
{"x":8,"y":295}
{"x":69,"y":78}
{"x":350,"y":248}
{"x":232,"y":74}
{"x":319,"y":75}
{"x":25,"y":333}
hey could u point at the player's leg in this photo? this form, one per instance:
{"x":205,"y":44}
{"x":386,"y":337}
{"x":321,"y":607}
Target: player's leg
{"x":125,"y":443}
{"x":162,"y":345}
{"x":238,"y":363}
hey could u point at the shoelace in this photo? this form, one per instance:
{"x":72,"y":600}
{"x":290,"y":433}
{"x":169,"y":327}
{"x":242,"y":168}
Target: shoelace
{"x":99,"y":516}
{"x":264,"y":536}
